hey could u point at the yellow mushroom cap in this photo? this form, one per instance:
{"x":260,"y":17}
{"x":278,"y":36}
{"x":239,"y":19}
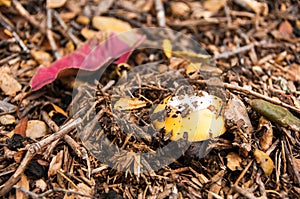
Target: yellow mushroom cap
{"x":199,"y":117}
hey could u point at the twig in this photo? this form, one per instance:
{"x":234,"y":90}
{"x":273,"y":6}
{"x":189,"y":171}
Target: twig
{"x":80,"y":151}
{"x":258,"y":95}
{"x":64,"y":26}
{"x":247,"y":92}
{"x":8,"y":58}
{"x":103,"y":6}
{"x":22,"y":11}
{"x":160,"y":13}
{"x":243,"y":173}
{"x":9,"y":26}
{"x":76,"y":147}
{"x":27,"y":192}
{"x":50,"y":34}
{"x":238,"y":50}
{"x":65,"y":191}
{"x":34,"y":149}
{"x":196,"y":22}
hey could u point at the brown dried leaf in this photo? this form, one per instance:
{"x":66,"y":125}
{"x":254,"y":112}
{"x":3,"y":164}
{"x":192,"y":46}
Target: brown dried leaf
{"x":59,"y":110}
{"x":179,"y":8}
{"x":266,"y":139}
{"x":127,"y":103}
{"x":236,"y":114}
{"x":21,"y":127}
{"x":18,"y":156}
{"x":257,"y":7}
{"x":36,"y":129}
{"x":55,"y":163}
{"x":41,"y":184}
{"x":214,"y":5}
{"x":265,"y":161}
{"x":234,"y":161}
{"x":286,"y":29}
{"x":9,"y":85}
{"x":55,"y":3}
{"x":88,"y":33}
{"x":110,"y":24}
{"x":24,"y":183}
{"x":41,"y":57}
{"x":7,"y":119}
{"x":81,"y":19}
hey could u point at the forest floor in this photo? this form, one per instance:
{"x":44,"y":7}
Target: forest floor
{"x":81,"y":119}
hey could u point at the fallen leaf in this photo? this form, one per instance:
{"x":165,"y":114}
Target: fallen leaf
{"x":55,"y":163}
{"x":88,"y":33}
{"x":24,"y":183}
{"x":9,"y":85}
{"x":234,"y":161}
{"x":41,"y":57}
{"x":127,"y":103}
{"x":167,"y":47}
{"x":55,"y":3}
{"x":110,"y":24}
{"x":81,"y":19}
{"x":18,"y":156}
{"x":6,"y":107}
{"x":214,"y":5}
{"x":257,"y":7}
{"x":21,"y":127}
{"x":90,"y":56}
{"x":59,"y":110}
{"x":236,"y":114}
{"x":265,"y":161}
{"x":179,"y":8}
{"x":36,"y":129}
{"x":7,"y":119}
{"x":41,"y":184}
{"x":265,"y":141}
{"x":5,"y":3}
{"x":286,"y":29}
{"x":276,"y":113}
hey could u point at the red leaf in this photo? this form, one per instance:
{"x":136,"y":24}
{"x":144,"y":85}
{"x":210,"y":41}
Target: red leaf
{"x":91,"y":56}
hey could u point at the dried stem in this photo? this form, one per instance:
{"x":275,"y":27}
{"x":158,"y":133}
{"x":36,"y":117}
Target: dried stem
{"x":34,"y":149}
{"x":22,"y":11}
{"x":50,"y":34}
{"x":9,"y":26}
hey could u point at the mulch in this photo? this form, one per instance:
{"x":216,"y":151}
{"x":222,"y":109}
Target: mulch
{"x":91,"y":150}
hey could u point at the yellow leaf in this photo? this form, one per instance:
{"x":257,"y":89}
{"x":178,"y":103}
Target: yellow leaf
{"x":110,"y":24}
{"x":55,"y":3}
{"x":5,"y":3}
{"x":265,"y":161}
{"x":214,"y":5}
{"x":59,"y":110}
{"x":167,"y":47}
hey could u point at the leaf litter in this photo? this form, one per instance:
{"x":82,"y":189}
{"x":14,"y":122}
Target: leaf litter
{"x":255,"y":46}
